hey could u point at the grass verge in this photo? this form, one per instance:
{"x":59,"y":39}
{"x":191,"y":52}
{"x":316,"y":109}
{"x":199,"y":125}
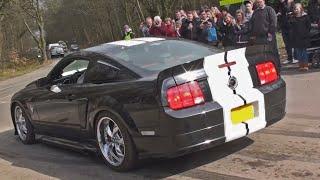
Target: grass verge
{"x":18,"y":69}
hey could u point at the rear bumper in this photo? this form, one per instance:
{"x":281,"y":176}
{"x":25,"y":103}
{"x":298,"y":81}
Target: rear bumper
{"x":275,"y":101}
{"x":180,"y":136}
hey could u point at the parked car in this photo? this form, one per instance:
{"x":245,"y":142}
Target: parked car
{"x":145,"y":98}
{"x":55,"y":50}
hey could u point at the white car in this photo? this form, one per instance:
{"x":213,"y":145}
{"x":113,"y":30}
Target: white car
{"x":55,"y":50}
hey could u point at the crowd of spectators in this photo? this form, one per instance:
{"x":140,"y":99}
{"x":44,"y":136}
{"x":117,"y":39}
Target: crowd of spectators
{"x":253,"y":23}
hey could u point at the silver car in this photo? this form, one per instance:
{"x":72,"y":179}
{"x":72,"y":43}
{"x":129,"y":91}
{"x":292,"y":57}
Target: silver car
{"x":55,"y":50}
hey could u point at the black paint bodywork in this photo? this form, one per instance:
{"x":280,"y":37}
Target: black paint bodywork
{"x":139,"y":104}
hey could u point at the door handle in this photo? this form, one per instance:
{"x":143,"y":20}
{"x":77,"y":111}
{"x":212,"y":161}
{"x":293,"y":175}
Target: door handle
{"x":71,"y":97}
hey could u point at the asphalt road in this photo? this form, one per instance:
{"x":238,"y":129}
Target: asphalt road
{"x":289,"y":149}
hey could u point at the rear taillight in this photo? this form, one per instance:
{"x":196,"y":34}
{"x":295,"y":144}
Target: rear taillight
{"x":185,"y":95}
{"x":267,"y":72}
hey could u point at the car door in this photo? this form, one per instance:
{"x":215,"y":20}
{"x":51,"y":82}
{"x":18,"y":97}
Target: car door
{"x":61,"y":106}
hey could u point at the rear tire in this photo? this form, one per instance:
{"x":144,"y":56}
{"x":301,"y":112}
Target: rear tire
{"x":115,"y":143}
{"x":23,"y":126}
{"x":316,"y":60}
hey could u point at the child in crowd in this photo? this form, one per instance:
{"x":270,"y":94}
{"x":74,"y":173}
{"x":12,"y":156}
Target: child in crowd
{"x":300,"y":26}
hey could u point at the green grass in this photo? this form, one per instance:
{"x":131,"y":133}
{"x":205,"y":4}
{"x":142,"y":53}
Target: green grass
{"x":14,"y":70}
{"x":280,"y":41}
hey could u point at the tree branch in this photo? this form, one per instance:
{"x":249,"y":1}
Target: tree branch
{"x":30,"y":31}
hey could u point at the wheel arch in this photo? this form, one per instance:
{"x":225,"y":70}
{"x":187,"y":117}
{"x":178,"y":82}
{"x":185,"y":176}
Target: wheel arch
{"x":122,"y":116}
{"x":12,"y":106}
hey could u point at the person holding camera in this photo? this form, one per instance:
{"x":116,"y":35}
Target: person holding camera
{"x":146,"y":26}
{"x":127,"y":33}
{"x":202,"y":32}
{"x":188,"y":29}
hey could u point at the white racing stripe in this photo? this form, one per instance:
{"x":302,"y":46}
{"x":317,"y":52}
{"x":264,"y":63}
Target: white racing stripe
{"x":136,"y":41}
{"x":127,"y":43}
{"x":218,"y":81}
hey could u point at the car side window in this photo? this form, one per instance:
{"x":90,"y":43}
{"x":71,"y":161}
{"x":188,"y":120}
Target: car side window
{"x":71,"y":72}
{"x":74,"y":67}
{"x":104,"y":72}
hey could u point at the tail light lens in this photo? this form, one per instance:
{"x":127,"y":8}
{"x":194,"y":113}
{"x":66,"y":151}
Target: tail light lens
{"x":267,"y":72}
{"x":185,"y":95}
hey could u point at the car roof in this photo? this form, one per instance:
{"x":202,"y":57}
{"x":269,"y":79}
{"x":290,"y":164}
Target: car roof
{"x":105,"y":48}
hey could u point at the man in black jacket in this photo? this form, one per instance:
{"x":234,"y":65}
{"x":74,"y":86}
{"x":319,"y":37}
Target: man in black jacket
{"x":189,"y":27}
{"x":263,"y":27}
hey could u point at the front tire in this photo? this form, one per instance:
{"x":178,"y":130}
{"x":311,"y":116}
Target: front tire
{"x":23,"y":126}
{"x":115,"y":143}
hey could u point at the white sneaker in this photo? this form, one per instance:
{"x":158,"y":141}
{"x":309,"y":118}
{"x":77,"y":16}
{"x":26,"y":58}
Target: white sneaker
{"x":286,"y":62}
{"x":295,"y":61}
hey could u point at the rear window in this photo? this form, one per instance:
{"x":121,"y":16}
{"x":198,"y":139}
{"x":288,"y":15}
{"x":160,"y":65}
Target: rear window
{"x":161,"y":55}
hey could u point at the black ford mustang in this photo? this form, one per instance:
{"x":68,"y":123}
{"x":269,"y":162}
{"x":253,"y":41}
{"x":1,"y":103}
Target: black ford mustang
{"x":151,"y":97}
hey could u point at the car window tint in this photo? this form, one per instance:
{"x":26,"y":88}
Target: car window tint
{"x":75,"y":66}
{"x":160,"y":55}
{"x":103,"y":72}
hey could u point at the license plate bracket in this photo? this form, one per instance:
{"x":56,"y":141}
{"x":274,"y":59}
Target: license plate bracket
{"x":242,"y":114}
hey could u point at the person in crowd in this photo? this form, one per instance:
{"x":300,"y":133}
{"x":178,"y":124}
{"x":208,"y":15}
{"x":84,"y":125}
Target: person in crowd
{"x":220,"y":22}
{"x":241,"y":29}
{"x":157,"y":28}
{"x":216,"y":14}
{"x":195,"y":15}
{"x":201,"y":28}
{"x":228,"y":32}
{"x":209,"y":34}
{"x":169,"y":29}
{"x":189,"y":27}
{"x":314,"y":11}
{"x":178,"y":16}
{"x":178,"y":28}
{"x":146,"y":26}
{"x":300,"y":26}
{"x":128,"y":34}
{"x":224,"y":12}
{"x":263,"y":27}
{"x":204,"y":8}
{"x":183,"y":14}
{"x":210,"y":15}
{"x":248,"y":10}
{"x":286,"y":8}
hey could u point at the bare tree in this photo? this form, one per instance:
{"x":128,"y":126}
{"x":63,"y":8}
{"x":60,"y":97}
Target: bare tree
{"x":35,"y":11}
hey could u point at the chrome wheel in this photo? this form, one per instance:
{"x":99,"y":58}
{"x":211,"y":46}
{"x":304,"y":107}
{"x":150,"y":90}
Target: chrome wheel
{"x":21,"y":123}
{"x":110,"y":141}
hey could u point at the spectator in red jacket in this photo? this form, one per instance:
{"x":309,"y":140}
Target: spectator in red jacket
{"x":158,"y":27}
{"x":169,"y":28}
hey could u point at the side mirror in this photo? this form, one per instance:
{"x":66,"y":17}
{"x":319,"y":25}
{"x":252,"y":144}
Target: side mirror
{"x":42,"y":81}
{"x":55,"y":89}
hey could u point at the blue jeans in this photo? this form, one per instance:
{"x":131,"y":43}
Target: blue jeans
{"x":301,"y":55}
